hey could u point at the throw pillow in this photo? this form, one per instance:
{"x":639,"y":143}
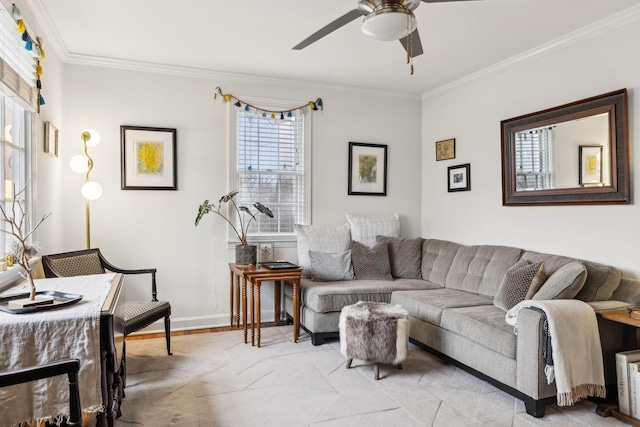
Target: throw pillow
{"x":331,"y":267}
{"x":321,"y":238}
{"x":371,"y":263}
{"x":564,"y":283}
{"x":516,"y":283}
{"x":405,"y":256}
{"x":364,"y":229}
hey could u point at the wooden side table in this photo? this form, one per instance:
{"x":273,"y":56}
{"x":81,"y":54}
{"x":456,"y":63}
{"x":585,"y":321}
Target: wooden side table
{"x":611,"y":409}
{"x":243,"y":275}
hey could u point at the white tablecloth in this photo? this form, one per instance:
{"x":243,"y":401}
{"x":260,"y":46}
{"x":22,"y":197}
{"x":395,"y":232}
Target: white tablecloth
{"x":43,"y":337}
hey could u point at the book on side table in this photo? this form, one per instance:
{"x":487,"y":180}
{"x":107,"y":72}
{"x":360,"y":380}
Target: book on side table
{"x":623,"y":363}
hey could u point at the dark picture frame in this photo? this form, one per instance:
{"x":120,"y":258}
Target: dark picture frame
{"x":459,"y":178}
{"x":367,"y":169}
{"x":446,"y":149}
{"x":148,"y":158}
{"x":590,"y":165}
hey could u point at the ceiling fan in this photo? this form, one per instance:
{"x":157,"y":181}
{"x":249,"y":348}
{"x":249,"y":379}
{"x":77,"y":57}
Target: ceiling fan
{"x":383,"y":20}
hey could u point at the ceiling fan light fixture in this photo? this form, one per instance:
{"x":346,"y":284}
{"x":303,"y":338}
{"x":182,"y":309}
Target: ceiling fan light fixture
{"x":389,"y":23}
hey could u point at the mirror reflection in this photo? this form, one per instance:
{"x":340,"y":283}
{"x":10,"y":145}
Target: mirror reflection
{"x":571,"y":154}
{"x":575,"y":153}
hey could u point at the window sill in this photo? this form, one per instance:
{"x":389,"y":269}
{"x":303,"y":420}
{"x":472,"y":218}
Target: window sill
{"x":14,"y":276}
{"x":280,"y":242}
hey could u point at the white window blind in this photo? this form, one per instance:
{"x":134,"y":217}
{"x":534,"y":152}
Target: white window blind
{"x":534,"y":159}
{"x":17,"y":65}
{"x":271,"y":170}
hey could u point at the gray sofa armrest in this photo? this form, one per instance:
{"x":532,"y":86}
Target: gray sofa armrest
{"x":531,"y":378}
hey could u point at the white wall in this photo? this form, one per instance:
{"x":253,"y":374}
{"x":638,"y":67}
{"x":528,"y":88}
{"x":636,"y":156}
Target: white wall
{"x":472,"y":115}
{"x":138,"y":229}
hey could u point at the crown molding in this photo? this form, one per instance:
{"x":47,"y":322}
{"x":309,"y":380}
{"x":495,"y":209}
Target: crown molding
{"x":605,"y":25}
{"x":54,"y":38}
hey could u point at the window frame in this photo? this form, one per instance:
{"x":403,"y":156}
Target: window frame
{"x":542,"y":147}
{"x":232,"y":147}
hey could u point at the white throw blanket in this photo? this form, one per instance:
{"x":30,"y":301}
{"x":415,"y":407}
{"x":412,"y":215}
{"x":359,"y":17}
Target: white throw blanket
{"x":53,"y":335}
{"x":575,"y":341}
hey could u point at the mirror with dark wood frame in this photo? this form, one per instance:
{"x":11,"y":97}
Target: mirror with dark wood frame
{"x":576,"y":153}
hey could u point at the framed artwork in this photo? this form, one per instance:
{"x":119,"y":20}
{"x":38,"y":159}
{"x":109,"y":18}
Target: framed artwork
{"x":367,"y":169}
{"x":590,"y":165}
{"x":148,"y":158}
{"x":50,"y":139}
{"x":459,"y":178}
{"x":446,"y":149}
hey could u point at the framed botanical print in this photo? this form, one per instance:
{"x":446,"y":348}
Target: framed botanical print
{"x":367,"y":169}
{"x":148,"y":158}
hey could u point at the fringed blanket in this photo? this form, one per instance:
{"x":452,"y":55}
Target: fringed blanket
{"x":577,"y":353}
{"x":63,"y":333}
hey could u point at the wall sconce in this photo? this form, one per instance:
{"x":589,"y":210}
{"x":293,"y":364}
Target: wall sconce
{"x":82,"y":163}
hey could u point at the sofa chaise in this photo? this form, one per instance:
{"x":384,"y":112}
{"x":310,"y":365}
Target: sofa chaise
{"x":450,"y":291}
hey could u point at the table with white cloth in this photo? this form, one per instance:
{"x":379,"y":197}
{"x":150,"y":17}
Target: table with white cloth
{"x":87,"y":330}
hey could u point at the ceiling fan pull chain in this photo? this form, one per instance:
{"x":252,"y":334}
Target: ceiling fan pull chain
{"x":410,"y":46}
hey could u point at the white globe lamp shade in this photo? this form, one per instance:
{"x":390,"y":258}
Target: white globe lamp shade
{"x":389,"y":24}
{"x":79,"y":163}
{"x":91,"y":190}
{"x":91,"y":137}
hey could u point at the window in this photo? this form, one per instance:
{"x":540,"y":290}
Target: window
{"x":534,"y":159}
{"x":17,"y":116}
{"x":271,"y":167}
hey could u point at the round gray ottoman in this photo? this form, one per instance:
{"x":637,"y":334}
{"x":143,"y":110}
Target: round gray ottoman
{"x":374,"y":332}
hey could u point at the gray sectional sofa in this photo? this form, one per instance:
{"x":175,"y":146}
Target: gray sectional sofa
{"x":452,"y":311}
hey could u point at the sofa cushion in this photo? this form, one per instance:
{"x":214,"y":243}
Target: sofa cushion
{"x":480,"y":269}
{"x":520,"y":282}
{"x":564,"y":283}
{"x":437,"y":257}
{"x":326,"y":297}
{"x":321,"y":238}
{"x":327,"y":266}
{"x":405,"y":256}
{"x":484,"y":325}
{"x":365,"y":229}
{"x":602,"y":280}
{"x":371,"y":263}
{"x":428,"y":305}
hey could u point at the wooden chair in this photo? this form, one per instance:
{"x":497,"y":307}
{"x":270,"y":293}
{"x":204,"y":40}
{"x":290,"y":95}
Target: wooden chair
{"x":70,"y":367}
{"x":137,"y":314}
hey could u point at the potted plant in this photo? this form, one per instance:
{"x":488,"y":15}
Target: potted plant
{"x":245,"y":254}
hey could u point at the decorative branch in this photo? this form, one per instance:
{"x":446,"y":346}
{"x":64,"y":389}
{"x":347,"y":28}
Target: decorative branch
{"x":16,"y":220}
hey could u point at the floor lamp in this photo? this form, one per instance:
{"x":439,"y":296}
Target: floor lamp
{"x":82,"y":163}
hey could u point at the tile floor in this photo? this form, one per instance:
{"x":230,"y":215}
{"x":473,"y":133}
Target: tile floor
{"x":216,"y":380}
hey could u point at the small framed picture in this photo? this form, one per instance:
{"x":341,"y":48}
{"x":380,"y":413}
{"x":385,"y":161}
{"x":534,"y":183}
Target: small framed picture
{"x":148,"y":158}
{"x":590,"y":165}
{"x":459,"y":178}
{"x":446,"y":149}
{"x":50,"y":139}
{"x":367,"y":169}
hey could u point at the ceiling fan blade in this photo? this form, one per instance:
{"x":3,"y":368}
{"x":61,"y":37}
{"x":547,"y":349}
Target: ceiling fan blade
{"x":343,"y":20}
{"x":415,"y":45}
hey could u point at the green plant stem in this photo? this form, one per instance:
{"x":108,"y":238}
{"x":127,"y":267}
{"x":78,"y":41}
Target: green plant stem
{"x":230,"y":223}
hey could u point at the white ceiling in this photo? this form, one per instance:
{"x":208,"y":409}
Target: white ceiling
{"x":255,"y":37}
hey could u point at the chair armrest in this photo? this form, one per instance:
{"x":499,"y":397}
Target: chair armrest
{"x":106,"y":264}
{"x":154,"y":291}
